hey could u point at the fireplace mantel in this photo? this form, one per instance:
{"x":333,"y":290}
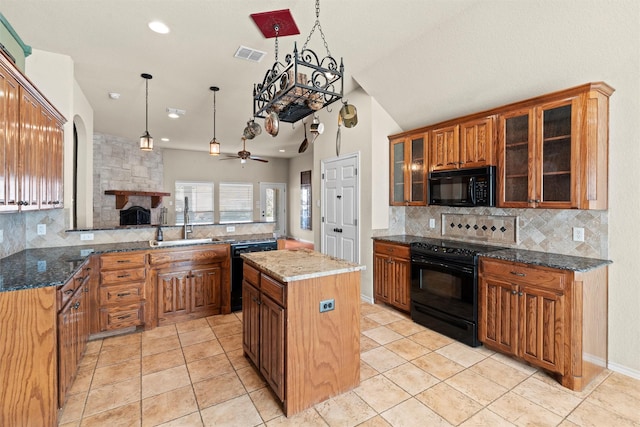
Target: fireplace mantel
{"x":122,"y":196}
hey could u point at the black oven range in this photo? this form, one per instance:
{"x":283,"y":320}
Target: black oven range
{"x":444,"y":287}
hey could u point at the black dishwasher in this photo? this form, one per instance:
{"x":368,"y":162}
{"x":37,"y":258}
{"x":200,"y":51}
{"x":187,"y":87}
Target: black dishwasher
{"x":238,"y":249}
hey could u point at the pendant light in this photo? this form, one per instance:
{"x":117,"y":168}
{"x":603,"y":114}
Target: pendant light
{"x":146,"y":141}
{"x":214,"y":146}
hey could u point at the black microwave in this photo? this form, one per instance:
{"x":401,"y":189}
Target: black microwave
{"x":463,"y":187}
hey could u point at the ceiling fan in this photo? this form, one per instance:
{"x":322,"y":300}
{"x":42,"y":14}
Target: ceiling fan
{"x":243,"y":155}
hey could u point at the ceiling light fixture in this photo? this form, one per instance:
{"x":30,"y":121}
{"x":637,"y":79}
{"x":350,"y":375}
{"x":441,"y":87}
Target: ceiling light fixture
{"x":114,"y":95}
{"x":214,"y":146}
{"x":159,"y":27}
{"x":165,"y":139}
{"x":304,"y":84}
{"x":175,"y":113}
{"x":146,"y":141}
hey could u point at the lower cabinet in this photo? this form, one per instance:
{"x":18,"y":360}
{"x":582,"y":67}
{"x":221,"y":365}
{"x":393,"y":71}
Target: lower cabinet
{"x":553,"y":319}
{"x":392,"y":275}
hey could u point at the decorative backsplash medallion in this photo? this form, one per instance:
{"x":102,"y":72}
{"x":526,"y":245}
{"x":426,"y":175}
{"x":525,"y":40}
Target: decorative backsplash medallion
{"x":486,"y":228}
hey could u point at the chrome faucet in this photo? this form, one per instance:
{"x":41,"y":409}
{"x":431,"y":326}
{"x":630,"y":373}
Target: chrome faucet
{"x":188,"y":227}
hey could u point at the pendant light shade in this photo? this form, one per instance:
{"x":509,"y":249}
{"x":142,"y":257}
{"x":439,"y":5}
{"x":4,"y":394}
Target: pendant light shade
{"x":146,"y":141}
{"x":214,"y":146}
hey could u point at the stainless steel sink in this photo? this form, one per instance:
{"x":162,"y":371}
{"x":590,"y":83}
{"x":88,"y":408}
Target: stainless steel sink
{"x":155,"y":243}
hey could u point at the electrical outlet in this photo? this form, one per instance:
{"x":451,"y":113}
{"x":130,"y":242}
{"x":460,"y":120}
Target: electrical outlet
{"x":86,"y":236}
{"x":1,"y":236}
{"x":42,"y":266}
{"x":327,"y":305}
{"x":432,"y":223}
{"x":42,"y":229}
{"x":578,"y":234}
{"x":231,"y":229}
{"x":86,"y":252}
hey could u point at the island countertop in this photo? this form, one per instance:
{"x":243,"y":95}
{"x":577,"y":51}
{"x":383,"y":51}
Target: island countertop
{"x":289,"y":265}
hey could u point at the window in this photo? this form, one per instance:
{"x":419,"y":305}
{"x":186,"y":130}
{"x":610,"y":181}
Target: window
{"x":305,"y":200}
{"x":236,"y":202}
{"x":200,"y":196}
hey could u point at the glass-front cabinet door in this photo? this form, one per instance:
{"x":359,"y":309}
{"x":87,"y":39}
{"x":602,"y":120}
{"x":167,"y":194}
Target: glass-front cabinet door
{"x":516,"y":137}
{"x":408,"y":185}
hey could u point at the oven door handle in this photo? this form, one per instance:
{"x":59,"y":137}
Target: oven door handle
{"x":458,"y":267}
{"x":471,"y":191}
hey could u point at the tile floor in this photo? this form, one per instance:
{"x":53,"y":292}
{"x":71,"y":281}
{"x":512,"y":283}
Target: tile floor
{"x":194,"y":374}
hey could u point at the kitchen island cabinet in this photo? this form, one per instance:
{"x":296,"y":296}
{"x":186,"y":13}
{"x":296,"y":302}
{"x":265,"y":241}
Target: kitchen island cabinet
{"x":301,"y":324}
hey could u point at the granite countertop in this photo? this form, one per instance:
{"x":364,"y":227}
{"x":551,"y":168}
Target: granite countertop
{"x":37,"y":268}
{"x":289,"y":265}
{"x":544,"y":259}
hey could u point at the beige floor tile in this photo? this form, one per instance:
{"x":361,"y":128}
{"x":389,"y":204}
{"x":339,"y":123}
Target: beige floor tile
{"x":208,"y":367}
{"x":307,"y":418}
{"x":115,"y":373}
{"x":376,"y":421}
{"x":411,"y":378}
{"x":567,"y":423}
{"x":222,"y":319}
{"x":93,"y":347}
{"x":160,"y":345}
{"x":89,"y":360}
{"x":161,"y":361}
{"x":231,"y":342}
{"x":73,"y":408}
{"x":168,"y":406}
{"x":367,"y":308}
{"x":112,"y":396}
{"x":505,"y":375}
{"x":121,"y":416}
{"x":196,"y":336}
{"x":382,"y":335}
{"x":202,"y":350}
{"x":461,"y":354}
{"x":266,"y":403}
{"x":366,"y":371}
{"x":226,"y":329}
{"x":477,"y":387}
{"x":366,"y":324}
{"x":121,"y":340}
{"x":522,"y":412}
{"x":412,"y":412}
{"x":449,"y":403}
{"x":191,"y":325}
{"x":237,"y":412}
{"x":160,"y":332}
{"x":514,"y":363}
{"x":381,"y":393}
{"x":407,"y":349}
{"x":218,"y":389}
{"x":385,"y":316}
{"x":405,"y":327}
{"x":430,"y":339}
{"x":367,"y":343}
{"x":237,"y":359}
{"x":619,"y":397}
{"x":118,"y":355}
{"x":437,"y":365}
{"x":251,"y":379}
{"x":382,"y":359}
{"x":346,"y":409}
{"x":82,"y":383}
{"x":623,"y":384}
{"x":589,"y":414}
{"x":163,"y":381}
{"x":558,"y":401}
{"x":70,"y":424}
{"x":486,"y":418}
{"x":192,"y":420}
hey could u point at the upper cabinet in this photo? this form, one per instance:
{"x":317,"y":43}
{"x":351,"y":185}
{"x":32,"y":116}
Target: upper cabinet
{"x":31,"y":145}
{"x":408,"y":179}
{"x":465,"y":145}
{"x":554,"y":154}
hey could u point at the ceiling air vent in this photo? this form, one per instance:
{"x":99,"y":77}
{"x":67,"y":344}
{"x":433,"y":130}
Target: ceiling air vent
{"x":249,"y":54}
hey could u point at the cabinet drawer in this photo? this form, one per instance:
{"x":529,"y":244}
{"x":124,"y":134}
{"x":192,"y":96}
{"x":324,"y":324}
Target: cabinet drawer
{"x":121,"y":317}
{"x":122,"y":276}
{"x":524,"y":274}
{"x":122,"y":294}
{"x":199,"y":256}
{"x":122,"y":260}
{"x":273,"y":289}
{"x":399,"y":251}
{"x":251,"y":275}
{"x":65,"y":292}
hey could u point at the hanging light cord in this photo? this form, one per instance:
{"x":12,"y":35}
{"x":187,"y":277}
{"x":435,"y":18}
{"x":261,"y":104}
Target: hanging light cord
{"x":146,"y":108}
{"x":317,"y":24}
{"x":276,"y":27}
{"x":214,"y":115}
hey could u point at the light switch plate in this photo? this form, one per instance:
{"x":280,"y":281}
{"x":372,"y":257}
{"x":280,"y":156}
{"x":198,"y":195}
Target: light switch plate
{"x":1,"y":236}
{"x":432,"y":223}
{"x":42,"y":229}
{"x":231,"y":229}
{"x":86,"y":236}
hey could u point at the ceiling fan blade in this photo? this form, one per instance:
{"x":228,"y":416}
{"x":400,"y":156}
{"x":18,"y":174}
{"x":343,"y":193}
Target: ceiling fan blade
{"x":229,"y":158}
{"x":259,"y":159}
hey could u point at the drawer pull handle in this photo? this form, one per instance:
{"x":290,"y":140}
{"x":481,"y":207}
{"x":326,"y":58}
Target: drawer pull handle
{"x":124,"y":317}
{"x":515,"y":273}
{"x":124,"y":294}
{"x":123,"y":276}
{"x":121,"y":261}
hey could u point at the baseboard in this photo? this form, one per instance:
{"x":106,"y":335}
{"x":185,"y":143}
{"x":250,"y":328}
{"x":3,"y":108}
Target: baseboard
{"x":366,"y":299}
{"x":633,"y":373}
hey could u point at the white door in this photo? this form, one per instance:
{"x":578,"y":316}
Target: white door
{"x":273,"y":202}
{"x":340,"y":208}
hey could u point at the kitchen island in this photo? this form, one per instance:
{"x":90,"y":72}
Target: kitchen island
{"x":301,"y":324}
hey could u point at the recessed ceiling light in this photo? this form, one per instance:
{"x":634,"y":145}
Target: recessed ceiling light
{"x":165,"y":139}
{"x":114,"y":95}
{"x":281,"y":150}
{"x":175,"y":113}
{"x":159,"y":27}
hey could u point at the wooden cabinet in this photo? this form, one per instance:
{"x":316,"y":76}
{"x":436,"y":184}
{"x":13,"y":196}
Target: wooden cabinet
{"x":392,"y":274}
{"x":122,"y":296}
{"x":552,"y":319}
{"x":31,"y":147}
{"x":189,"y":283}
{"x":466,"y":145}
{"x":73,"y":328}
{"x":407,"y":159}
{"x":553,"y":153}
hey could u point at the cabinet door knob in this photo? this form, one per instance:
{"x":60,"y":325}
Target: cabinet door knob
{"x":513,"y":292}
{"x":520,"y":293}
